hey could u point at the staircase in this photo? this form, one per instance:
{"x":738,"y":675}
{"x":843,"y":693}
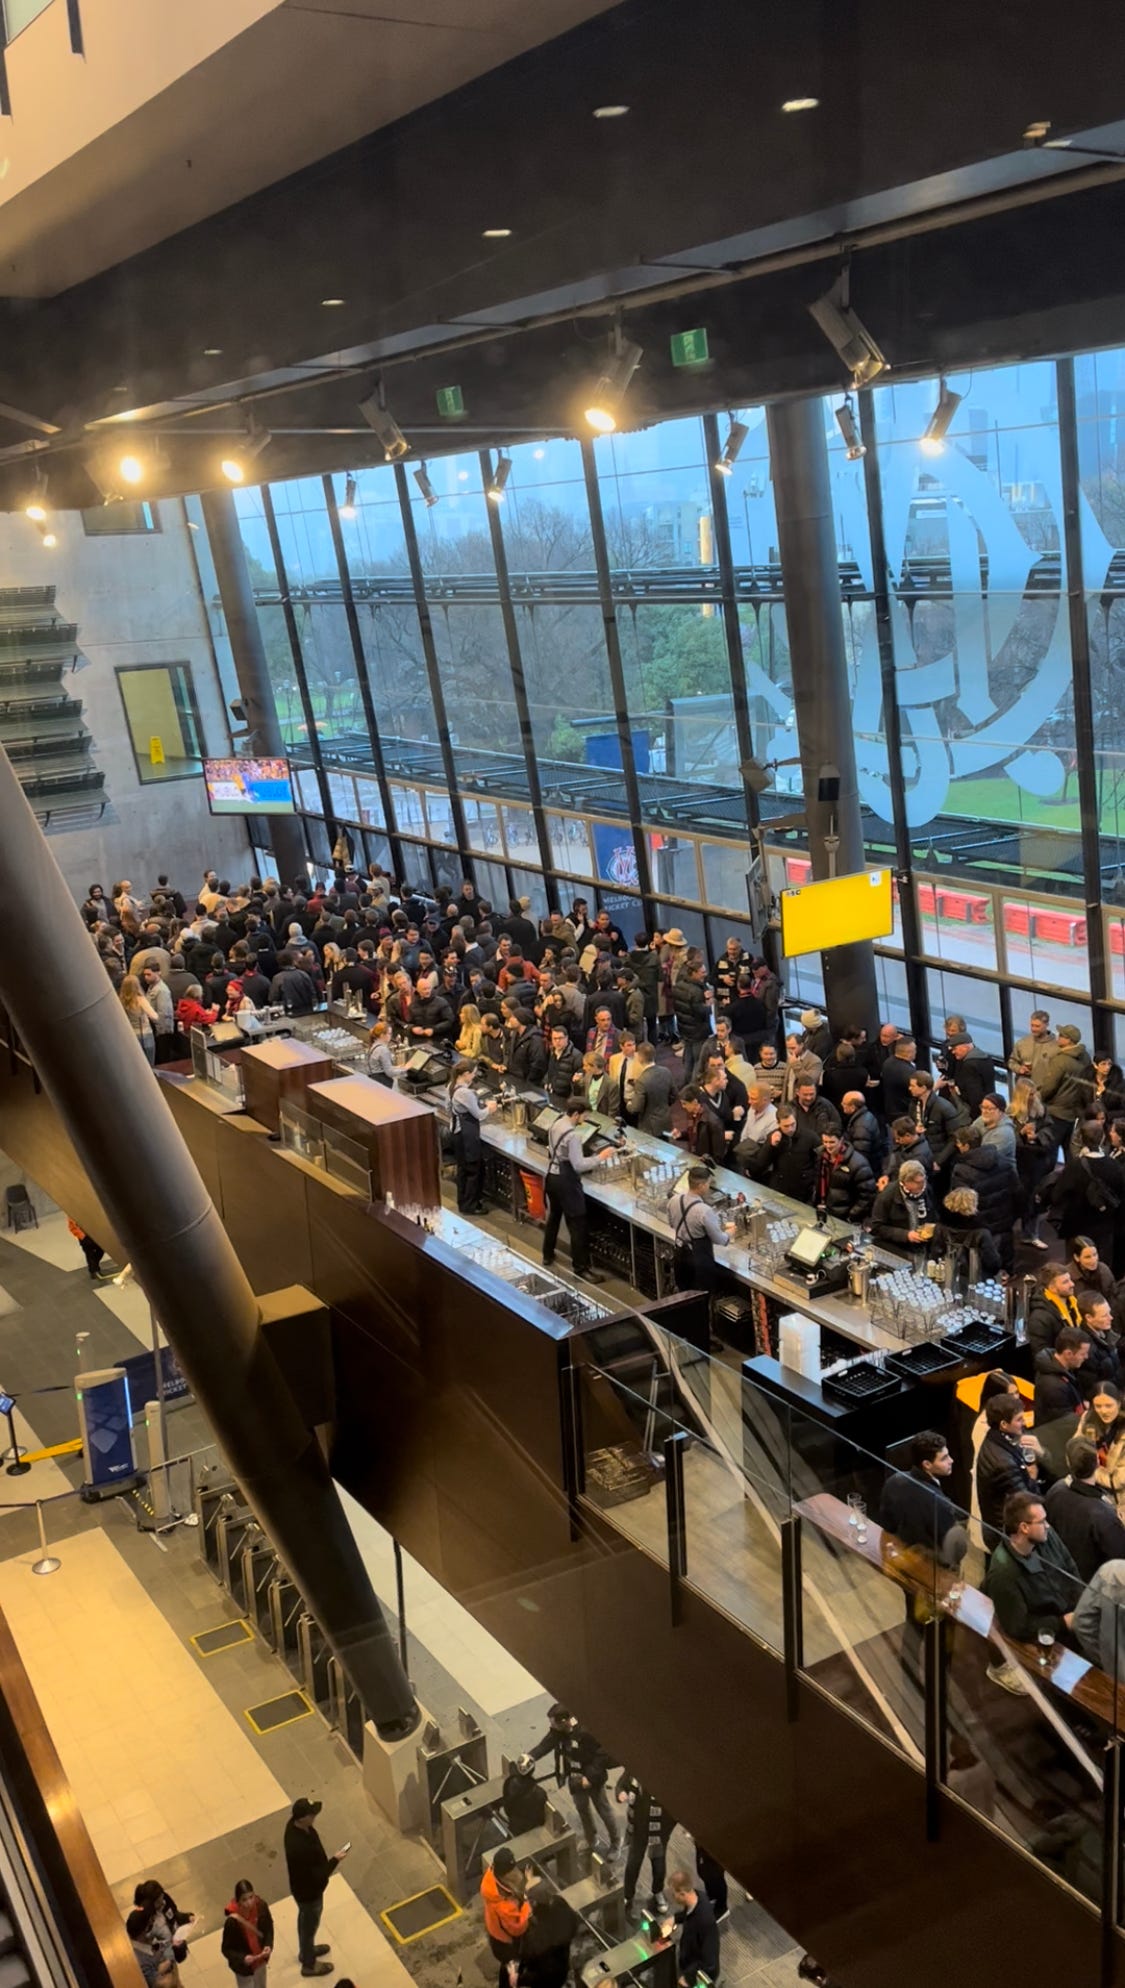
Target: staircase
{"x":41,"y":726}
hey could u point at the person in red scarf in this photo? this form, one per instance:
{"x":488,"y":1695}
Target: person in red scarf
{"x":248,"y":1934}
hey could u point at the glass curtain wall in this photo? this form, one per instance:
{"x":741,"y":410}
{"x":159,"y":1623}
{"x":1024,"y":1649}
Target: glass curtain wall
{"x":977,"y":577}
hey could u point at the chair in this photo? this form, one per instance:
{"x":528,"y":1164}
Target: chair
{"x":21,"y":1211}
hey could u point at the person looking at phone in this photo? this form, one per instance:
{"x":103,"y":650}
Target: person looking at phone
{"x":309,"y":1867}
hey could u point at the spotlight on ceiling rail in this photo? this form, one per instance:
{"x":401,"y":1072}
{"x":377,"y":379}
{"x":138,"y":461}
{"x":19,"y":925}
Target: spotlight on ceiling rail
{"x":732,"y":447}
{"x":848,"y":335}
{"x":383,"y":425}
{"x":846,"y":423}
{"x":603,"y":410}
{"x":497,"y":482}
{"x":422,"y":479}
{"x":940,"y":421}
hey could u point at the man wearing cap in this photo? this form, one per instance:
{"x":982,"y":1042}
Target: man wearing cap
{"x":309,"y":1869}
{"x":524,"y":1799}
{"x":972,"y":1072}
{"x":1062,"y":1086}
{"x":818,"y":1035}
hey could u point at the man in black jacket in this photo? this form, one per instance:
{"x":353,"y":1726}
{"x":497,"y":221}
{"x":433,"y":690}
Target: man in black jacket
{"x":1001,"y":1465}
{"x":291,"y":988}
{"x":863,"y":1130}
{"x":309,"y":1868}
{"x":815,"y":1114}
{"x":786,"y":1160}
{"x":895,"y":1079}
{"x":845,"y":1184}
{"x":524,"y":1799}
{"x":903,"y":1209}
{"x":936,"y":1116}
{"x":1083,"y":1515}
{"x":914,"y":1506}
{"x":431,"y":1020}
{"x":564,"y":1066}
{"x":996,"y":1182}
{"x":1102,"y":1361}
{"x":699,"y":1935}
{"x":527,"y":1051}
{"x":973,"y":1072}
{"x":1057,"y":1389}
{"x":582,"y":1762}
{"x":693,"y":1015}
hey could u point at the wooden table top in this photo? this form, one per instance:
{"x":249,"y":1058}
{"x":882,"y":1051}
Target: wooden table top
{"x":913,"y":1569}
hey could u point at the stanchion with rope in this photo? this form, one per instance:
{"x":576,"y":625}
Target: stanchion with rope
{"x":46,"y":1563}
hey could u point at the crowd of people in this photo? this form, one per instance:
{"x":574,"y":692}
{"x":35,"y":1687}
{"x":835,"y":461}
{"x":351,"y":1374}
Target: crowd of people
{"x":530,"y":1931}
{"x":931,"y":1154}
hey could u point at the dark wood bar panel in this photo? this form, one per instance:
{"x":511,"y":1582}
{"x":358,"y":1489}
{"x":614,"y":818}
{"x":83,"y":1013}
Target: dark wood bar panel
{"x":283,"y":1068}
{"x":398,"y":1135}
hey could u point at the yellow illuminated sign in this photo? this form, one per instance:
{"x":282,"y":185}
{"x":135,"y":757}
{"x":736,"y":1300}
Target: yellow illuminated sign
{"x":836,"y":912}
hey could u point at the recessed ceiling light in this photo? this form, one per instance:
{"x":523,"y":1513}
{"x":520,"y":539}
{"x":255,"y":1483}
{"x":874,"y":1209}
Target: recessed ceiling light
{"x":332,"y":303}
{"x":121,"y":389}
{"x":800,"y":103}
{"x":496,"y":234}
{"x":212,"y":351}
{"x":612,"y":110}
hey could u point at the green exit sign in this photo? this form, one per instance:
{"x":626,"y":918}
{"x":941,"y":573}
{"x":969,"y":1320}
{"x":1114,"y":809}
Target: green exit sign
{"x":690,"y":348}
{"x":450,"y":403}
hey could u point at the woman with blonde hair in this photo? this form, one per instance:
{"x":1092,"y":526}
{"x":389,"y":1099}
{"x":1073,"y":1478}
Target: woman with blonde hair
{"x":1036,"y":1146}
{"x":141,"y":1013}
{"x":468,"y":1041}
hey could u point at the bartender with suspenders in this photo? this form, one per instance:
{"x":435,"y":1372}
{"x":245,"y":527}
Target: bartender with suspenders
{"x":566,"y":1163}
{"x":467,"y":1113}
{"x":695,"y":1230}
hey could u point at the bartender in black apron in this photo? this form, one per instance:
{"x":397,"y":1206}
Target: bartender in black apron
{"x":566,"y":1163}
{"x":467,"y":1114}
{"x":695,"y":1230}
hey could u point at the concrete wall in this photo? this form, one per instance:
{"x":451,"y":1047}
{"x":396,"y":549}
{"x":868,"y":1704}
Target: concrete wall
{"x":136,"y":599}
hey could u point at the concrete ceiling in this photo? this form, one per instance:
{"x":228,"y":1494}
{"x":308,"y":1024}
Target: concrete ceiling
{"x":705,"y":204}
{"x":302,"y":80}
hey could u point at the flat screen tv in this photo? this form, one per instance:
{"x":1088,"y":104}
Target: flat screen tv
{"x":248,"y":786}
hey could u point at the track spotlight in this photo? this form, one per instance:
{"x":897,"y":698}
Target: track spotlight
{"x":422,"y":479}
{"x":47,"y":537}
{"x":846,"y":423}
{"x":347,"y":508}
{"x":236,"y":465}
{"x":940,"y":421}
{"x":736,"y":435}
{"x":604,"y":408}
{"x":131,"y":468}
{"x":122,"y":474}
{"x":498,"y":480}
{"x":383,"y":424}
{"x":847,"y":335}
{"x":36,"y":506}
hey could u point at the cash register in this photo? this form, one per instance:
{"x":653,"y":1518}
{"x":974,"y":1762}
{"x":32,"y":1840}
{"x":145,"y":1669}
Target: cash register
{"x":816,"y":1262}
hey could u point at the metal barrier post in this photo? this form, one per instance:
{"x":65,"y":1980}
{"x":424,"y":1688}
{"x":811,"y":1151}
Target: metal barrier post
{"x":46,"y":1563}
{"x":674,"y":1447}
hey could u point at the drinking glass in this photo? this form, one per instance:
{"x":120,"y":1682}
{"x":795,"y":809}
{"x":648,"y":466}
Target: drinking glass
{"x":855,"y":1507}
{"x":1046,"y":1641}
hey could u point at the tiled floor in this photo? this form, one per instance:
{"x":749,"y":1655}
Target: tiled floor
{"x":156,"y":1761}
{"x":44,"y":1480}
{"x":129,"y":1304}
{"x":360,"y":1951}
